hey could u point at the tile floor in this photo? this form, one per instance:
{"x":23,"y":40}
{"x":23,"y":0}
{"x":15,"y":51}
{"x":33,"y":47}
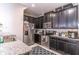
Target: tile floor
{"x":41,"y":50}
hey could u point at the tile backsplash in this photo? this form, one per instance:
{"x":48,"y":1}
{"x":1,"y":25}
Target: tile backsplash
{"x":62,"y":30}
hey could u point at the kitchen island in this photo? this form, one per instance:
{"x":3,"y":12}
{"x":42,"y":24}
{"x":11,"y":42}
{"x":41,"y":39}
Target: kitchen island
{"x":14,"y":48}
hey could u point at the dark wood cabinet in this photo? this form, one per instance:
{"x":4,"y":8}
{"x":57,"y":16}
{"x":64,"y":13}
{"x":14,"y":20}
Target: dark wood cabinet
{"x":71,"y":48}
{"x":61,"y":45}
{"x":68,"y":18}
{"x":68,"y":47}
{"x":57,"y":44}
{"x":29,"y":19}
{"x":36,"y":23}
{"x":72,"y":19}
{"x":47,"y":17}
{"x":55,"y":22}
{"x":77,"y":52}
{"x":37,"y":38}
{"x":39,"y":22}
{"x":63,"y":19}
{"x":53,"y":43}
{"x":52,"y":18}
{"x":60,"y":19}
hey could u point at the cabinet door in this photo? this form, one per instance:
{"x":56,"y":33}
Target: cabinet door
{"x":72,"y":17}
{"x":36,"y":23}
{"x":71,"y":48}
{"x":55,"y":23}
{"x":62,"y":19}
{"x":52,"y":43}
{"x":61,"y":45}
{"x":77,"y":49}
{"x":41,"y":22}
{"x":47,"y":17}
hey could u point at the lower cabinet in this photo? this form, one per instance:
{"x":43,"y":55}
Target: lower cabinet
{"x":66,"y":47}
{"x":77,"y":52}
{"x":53,"y":43}
{"x":71,"y":48}
{"x":61,"y":45}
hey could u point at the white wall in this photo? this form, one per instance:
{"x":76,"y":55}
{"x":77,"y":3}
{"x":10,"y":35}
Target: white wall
{"x":11,"y":16}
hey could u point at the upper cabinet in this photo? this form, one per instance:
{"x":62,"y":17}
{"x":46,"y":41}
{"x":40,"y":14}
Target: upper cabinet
{"x":55,"y":22}
{"x":72,"y":17}
{"x":39,"y":22}
{"x":63,"y":18}
{"x":47,"y":17}
{"x":48,"y":20}
{"x":29,"y":19}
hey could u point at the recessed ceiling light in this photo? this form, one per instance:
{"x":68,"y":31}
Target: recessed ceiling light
{"x":33,"y":5}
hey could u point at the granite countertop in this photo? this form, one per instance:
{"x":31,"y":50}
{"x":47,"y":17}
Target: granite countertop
{"x":64,"y":38}
{"x":14,"y":48}
{"x":5,"y":33}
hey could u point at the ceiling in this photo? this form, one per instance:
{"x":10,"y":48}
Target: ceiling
{"x":41,"y":8}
